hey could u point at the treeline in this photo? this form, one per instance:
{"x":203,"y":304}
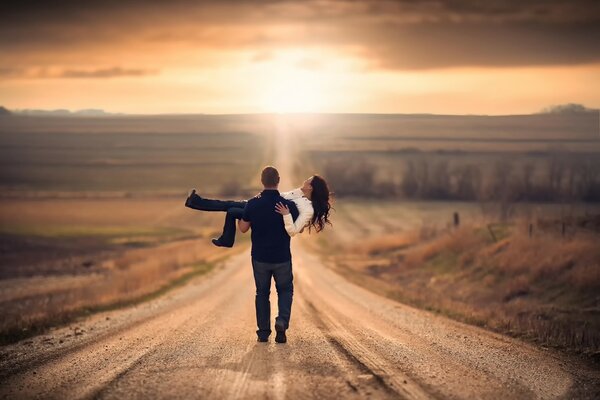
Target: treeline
{"x":558,"y":179}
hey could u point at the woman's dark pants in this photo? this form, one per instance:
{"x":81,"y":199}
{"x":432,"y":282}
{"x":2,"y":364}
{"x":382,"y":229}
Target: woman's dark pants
{"x":234,"y":210}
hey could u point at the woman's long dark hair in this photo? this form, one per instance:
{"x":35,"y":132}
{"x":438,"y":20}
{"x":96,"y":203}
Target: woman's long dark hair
{"x":320,"y":202}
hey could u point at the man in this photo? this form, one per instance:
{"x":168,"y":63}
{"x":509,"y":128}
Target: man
{"x":271,"y":256}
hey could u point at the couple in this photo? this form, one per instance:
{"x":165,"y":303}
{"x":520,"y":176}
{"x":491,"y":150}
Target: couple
{"x":307,"y":206}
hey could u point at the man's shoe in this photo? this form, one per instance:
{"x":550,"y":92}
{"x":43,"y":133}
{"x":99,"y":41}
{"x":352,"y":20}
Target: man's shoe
{"x":262,"y":339}
{"x":218,"y":243}
{"x":280,"y":329}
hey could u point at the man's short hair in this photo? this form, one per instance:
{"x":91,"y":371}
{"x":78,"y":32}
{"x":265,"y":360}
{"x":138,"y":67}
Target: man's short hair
{"x":269,"y":176}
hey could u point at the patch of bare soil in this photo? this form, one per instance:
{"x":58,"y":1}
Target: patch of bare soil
{"x":27,"y":256}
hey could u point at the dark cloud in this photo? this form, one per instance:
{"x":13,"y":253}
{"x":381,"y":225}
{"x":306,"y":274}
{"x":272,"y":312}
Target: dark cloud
{"x":391,"y":34}
{"x":433,"y":45}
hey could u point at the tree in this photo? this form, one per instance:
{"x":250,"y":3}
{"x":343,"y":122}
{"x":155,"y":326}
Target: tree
{"x":468,"y":182}
{"x":527,"y":173}
{"x":410,"y":185}
{"x":441,"y":187}
{"x":556,"y":172}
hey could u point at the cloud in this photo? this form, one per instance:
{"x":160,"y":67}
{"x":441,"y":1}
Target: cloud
{"x":53,"y":73}
{"x":8,"y":72}
{"x":399,"y":34}
{"x":113,"y":72}
{"x":437,"y":45}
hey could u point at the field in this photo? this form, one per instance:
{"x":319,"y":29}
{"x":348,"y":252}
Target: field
{"x":545,"y":157}
{"x":132,"y":155}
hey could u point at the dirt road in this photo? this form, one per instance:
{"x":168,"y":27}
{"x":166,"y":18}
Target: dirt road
{"x":199,"y":342}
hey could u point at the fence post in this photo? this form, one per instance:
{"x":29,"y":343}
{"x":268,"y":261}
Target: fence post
{"x":489,"y":226}
{"x":530,"y":229}
{"x":456,"y":219}
{"x":563,"y":229}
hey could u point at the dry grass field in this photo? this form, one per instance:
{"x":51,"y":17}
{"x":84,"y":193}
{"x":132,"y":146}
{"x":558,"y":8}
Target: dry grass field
{"x":62,"y":258}
{"x":485,"y":272}
{"x":128,"y":155}
{"x":46,"y":235}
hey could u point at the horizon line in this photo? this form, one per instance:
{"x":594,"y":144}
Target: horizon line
{"x":61,"y":112}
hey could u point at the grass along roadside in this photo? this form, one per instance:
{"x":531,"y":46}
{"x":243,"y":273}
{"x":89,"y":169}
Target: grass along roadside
{"x":136,"y":276}
{"x":41,"y":326}
{"x":544,"y":289}
{"x":110,"y":234}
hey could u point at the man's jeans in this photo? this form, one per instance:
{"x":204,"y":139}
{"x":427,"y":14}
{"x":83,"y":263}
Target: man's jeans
{"x":284,"y":283}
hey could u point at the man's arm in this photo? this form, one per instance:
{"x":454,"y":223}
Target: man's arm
{"x":243,"y":225}
{"x":244,"y":222}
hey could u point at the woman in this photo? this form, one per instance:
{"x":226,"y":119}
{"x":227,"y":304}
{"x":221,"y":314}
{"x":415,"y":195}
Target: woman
{"x":312,"y":201}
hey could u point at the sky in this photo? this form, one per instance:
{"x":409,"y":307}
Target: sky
{"x":406,"y":56}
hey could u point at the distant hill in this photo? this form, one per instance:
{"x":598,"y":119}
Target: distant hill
{"x":564,"y":109}
{"x":90,"y":112}
{"x":570,"y":108}
{"x":93,"y":112}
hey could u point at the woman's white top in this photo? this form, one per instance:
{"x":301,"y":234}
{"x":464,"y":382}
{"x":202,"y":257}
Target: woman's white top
{"x":305,"y":212}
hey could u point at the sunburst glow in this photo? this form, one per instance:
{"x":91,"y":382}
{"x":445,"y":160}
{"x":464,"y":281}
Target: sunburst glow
{"x":295,"y":92}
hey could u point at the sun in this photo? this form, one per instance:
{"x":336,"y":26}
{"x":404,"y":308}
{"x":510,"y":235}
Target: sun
{"x":295,"y":91}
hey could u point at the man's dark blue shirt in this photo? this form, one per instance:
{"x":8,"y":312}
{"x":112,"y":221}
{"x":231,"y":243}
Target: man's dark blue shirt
{"x":270,"y":241}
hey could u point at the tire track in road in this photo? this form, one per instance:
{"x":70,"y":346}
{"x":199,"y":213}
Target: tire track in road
{"x":444,"y":358}
{"x":395,"y":384}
